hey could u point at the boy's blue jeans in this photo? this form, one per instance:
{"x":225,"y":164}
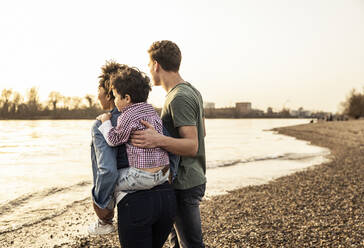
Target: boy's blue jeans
{"x":132,"y":179}
{"x":188,"y":221}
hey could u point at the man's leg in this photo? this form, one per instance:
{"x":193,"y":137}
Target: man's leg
{"x":188,"y":220}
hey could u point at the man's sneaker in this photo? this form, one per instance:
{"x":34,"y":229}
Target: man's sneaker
{"x":97,"y":228}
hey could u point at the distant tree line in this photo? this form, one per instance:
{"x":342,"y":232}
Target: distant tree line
{"x":14,"y":106}
{"x":353,"y":106}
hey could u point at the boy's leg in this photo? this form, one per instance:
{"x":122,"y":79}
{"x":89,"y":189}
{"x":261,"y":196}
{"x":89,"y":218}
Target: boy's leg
{"x":134,"y":179}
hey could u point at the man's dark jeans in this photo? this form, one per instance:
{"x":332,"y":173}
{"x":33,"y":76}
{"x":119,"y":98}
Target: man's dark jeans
{"x":188,"y":220}
{"x":145,"y":218}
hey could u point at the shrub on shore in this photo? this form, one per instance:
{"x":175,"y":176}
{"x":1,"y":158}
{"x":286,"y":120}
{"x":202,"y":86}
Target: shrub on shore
{"x":354,"y":104}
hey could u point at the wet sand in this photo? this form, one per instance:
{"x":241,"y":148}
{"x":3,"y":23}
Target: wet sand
{"x":319,"y":207}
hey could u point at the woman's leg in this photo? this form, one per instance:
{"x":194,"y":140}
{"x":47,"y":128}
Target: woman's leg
{"x":167,"y":212}
{"x":135,"y":219}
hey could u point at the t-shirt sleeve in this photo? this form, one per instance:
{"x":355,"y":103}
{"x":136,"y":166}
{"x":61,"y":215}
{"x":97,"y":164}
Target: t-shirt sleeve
{"x":183,"y":111}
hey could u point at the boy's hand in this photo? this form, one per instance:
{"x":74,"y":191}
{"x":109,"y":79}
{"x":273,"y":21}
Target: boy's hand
{"x":104,"y":117}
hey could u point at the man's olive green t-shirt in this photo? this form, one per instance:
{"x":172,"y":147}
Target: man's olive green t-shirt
{"x":184,"y":107}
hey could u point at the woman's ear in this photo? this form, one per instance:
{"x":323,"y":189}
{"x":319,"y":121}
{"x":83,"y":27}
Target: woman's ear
{"x":108,"y":97}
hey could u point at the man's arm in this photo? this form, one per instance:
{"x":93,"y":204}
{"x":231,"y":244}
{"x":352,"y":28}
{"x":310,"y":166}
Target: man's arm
{"x":187,"y":145}
{"x":106,"y":168}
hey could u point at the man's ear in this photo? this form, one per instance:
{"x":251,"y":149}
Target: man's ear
{"x":156,"y":66}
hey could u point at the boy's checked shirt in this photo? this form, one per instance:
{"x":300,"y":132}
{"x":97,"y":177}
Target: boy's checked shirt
{"x":127,"y":123}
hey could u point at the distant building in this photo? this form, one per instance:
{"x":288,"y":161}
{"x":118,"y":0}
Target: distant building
{"x":243,"y":107}
{"x":300,"y":113}
{"x":209,"y":105}
{"x":306,"y":113}
{"x":269,"y":111}
{"x":294,"y":113}
{"x":256,"y":112}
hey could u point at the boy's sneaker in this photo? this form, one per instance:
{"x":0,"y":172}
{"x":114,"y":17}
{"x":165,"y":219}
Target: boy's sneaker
{"x":97,"y":228}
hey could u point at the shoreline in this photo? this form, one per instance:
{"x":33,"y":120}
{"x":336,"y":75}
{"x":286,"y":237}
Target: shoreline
{"x":307,"y":208}
{"x":322,"y":206}
{"x":94,"y":118}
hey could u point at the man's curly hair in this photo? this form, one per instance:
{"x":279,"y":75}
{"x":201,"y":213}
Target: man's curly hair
{"x":167,"y":54}
{"x":111,"y":67}
{"x":131,"y":81}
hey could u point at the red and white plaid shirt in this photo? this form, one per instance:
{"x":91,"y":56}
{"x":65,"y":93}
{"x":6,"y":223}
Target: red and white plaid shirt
{"x":128,"y":122}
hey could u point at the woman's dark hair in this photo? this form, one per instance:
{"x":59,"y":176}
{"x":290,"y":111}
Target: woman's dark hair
{"x":107,"y":71}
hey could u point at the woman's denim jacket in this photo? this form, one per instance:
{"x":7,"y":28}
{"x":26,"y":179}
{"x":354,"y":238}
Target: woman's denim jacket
{"x":106,"y":161}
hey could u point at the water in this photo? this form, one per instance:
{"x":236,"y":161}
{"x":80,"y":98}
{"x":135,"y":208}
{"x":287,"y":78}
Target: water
{"x":247,"y":140}
{"x":244,"y":152}
{"x":45,"y":164}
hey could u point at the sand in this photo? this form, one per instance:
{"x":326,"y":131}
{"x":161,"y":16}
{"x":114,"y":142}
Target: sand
{"x":319,"y":207}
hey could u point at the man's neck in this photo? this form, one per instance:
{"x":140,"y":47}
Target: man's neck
{"x":170,"y":80}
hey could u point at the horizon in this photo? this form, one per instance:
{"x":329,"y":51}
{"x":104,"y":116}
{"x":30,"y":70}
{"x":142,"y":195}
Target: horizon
{"x":286,"y":54}
{"x":83,"y":102}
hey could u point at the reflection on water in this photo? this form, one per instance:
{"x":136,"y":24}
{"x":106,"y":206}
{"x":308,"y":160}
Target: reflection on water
{"x":40,"y":154}
{"x":35,"y":135}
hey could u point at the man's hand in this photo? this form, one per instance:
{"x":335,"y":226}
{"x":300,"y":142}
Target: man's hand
{"x":148,"y":138}
{"x":187,"y":145}
{"x":104,"y":117}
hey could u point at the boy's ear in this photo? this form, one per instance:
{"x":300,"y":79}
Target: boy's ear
{"x":127,"y":98}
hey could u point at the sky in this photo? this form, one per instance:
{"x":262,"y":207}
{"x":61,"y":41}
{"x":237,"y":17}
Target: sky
{"x":281,"y":53}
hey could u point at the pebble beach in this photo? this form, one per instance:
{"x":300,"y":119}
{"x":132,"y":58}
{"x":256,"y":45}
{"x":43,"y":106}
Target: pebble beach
{"x":322,"y":206}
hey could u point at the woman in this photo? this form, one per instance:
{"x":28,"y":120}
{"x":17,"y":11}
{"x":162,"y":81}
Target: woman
{"x":145,"y":218}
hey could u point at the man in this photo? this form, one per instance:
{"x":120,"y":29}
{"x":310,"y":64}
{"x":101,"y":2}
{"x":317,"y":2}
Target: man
{"x":105,"y":160}
{"x":183,"y":117}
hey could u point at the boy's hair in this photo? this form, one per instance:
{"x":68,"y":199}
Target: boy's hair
{"x":133,"y":82}
{"x":111,"y":67}
{"x":167,"y":54}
